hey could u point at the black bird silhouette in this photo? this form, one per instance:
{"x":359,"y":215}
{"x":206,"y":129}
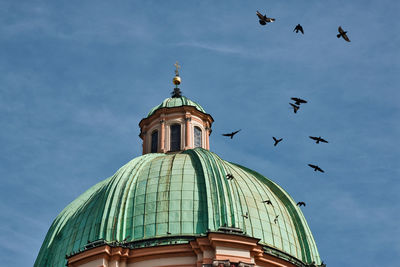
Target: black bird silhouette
{"x":298,"y":101}
{"x":318,"y":139}
{"x":276,"y":219}
{"x":268,"y":202}
{"x":277,"y":140}
{"x":229,"y":176}
{"x":316,"y":168}
{"x":299,"y":28}
{"x":264,"y":19}
{"x":168,"y":233}
{"x":126,"y":238}
{"x":231,"y":134}
{"x":246,"y":215}
{"x":301,"y":204}
{"x":295,"y":108}
{"x":343,"y":34}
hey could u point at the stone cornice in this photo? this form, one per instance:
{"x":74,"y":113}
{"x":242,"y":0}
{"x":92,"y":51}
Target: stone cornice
{"x":207,"y":247}
{"x":182,"y":109}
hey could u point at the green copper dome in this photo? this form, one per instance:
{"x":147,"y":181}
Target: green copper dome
{"x":179,"y":195}
{"x":176,"y":102}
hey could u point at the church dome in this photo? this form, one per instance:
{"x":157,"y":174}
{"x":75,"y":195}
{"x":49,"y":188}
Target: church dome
{"x":181,"y":196}
{"x":172,"y":102}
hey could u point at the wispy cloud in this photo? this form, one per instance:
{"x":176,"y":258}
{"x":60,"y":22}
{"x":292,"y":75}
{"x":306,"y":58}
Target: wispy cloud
{"x":42,"y":21}
{"x":221,"y":48}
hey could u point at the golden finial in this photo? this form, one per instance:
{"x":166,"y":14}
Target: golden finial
{"x":177,"y":80}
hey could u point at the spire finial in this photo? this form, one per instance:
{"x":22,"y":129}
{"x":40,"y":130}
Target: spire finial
{"x":177,"y":80}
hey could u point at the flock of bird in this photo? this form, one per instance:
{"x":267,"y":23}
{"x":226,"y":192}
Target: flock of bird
{"x":317,"y":139}
{"x":264,"y":20}
{"x":296,"y":107}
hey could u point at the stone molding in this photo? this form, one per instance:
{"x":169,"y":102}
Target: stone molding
{"x":215,"y":249}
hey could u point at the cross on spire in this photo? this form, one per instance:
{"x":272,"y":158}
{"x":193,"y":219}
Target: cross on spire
{"x":177,"y":67}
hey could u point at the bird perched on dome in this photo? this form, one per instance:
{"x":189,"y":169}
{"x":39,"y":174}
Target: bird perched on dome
{"x":299,"y":28}
{"x":126,"y":238}
{"x":264,"y":19}
{"x":343,"y":34}
{"x":276,"y":219}
{"x":229,"y":176}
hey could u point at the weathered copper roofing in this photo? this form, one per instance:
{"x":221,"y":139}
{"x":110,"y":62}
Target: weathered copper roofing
{"x":179,"y":195}
{"x":176,"y":102}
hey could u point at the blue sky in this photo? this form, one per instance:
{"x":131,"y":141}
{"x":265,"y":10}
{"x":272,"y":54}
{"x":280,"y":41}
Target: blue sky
{"x":77,"y":77}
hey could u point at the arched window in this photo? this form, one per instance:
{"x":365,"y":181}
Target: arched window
{"x":154,"y":142}
{"x":197,"y":137}
{"x":175,"y":137}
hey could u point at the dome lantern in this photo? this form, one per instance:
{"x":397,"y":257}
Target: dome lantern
{"x":177,"y":124}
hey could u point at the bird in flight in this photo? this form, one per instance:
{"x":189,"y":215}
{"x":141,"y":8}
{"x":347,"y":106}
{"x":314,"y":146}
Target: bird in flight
{"x":343,"y":34}
{"x":318,"y":139}
{"x":229,"y":176}
{"x":268,"y":202}
{"x":295,"y":107}
{"x":264,"y":19}
{"x":298,"y":101}
{"x":276,"y":219}
{"x":316,"y":168}
{"x":246,"y":215}
{"x":299,"y":28}
{"x":232,"y":133}
{"x":277,"y":140}
{"x":301,"y":204}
